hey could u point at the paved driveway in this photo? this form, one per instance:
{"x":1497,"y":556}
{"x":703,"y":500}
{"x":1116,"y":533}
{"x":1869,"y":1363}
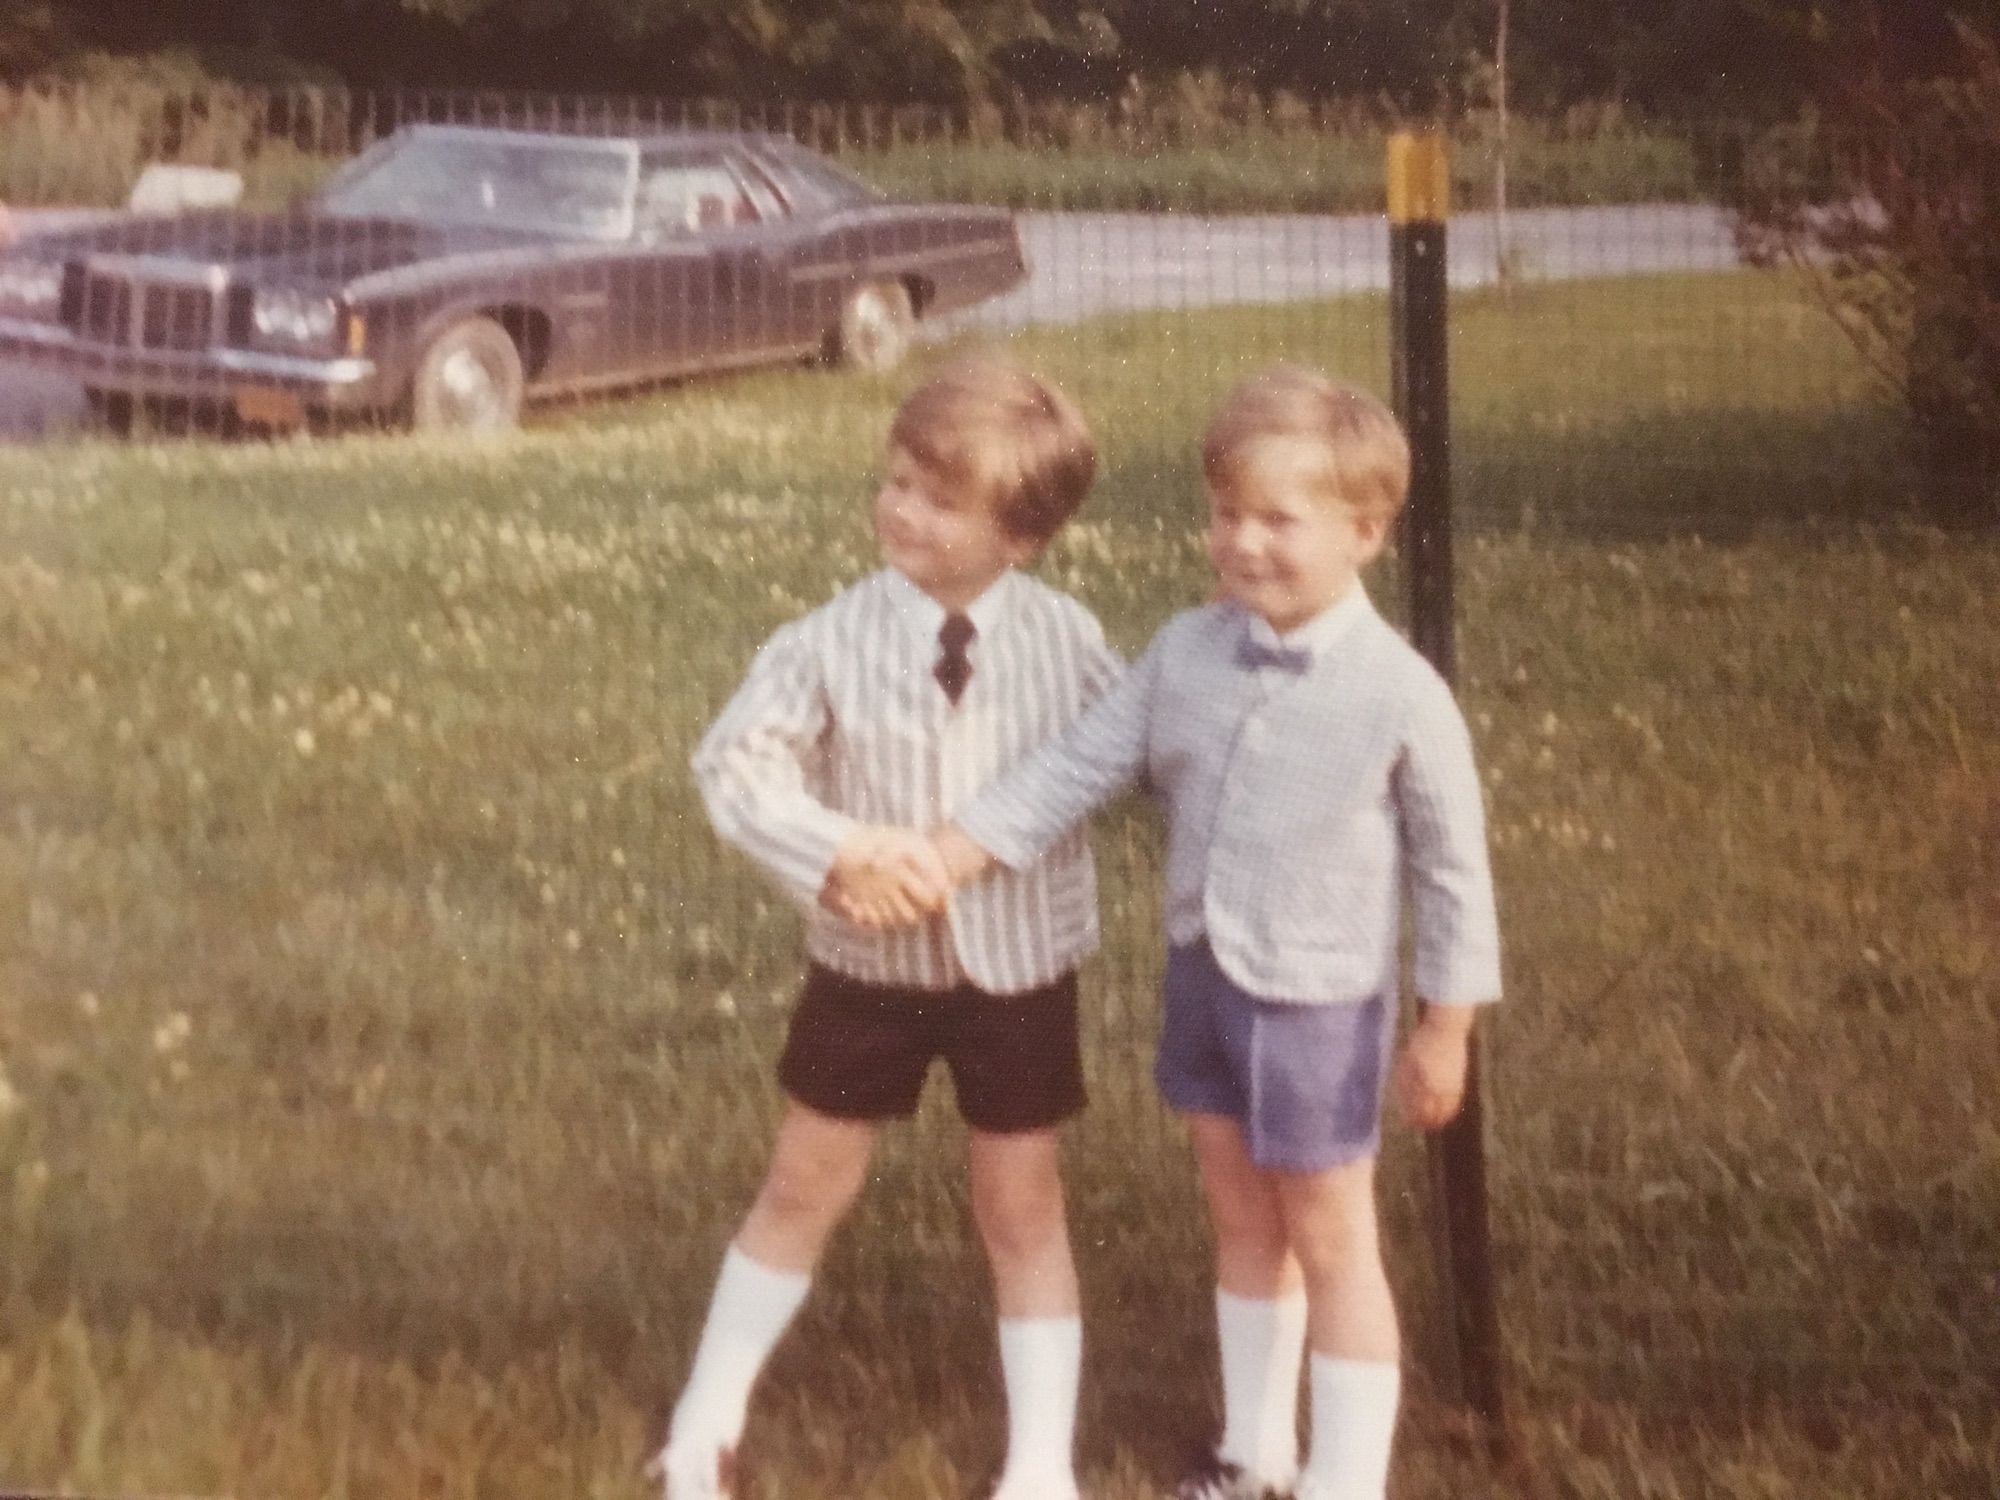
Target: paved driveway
{"x":1083,"y":264}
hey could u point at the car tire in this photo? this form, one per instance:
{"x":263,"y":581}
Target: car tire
{"x":470,"y":379}
{"x":877,"y":326}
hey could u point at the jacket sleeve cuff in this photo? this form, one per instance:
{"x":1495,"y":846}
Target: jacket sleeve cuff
{"x":1010,"y":840}
{"x":802,"y":861}
{"x":1476,"y":983}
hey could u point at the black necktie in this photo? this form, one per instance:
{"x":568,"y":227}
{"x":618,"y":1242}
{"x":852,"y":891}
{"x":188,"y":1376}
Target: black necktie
{"x":953,"y":670}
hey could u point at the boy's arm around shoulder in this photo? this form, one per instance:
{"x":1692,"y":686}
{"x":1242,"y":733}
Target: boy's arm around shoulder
{"x":1013,"y":821}
{"x":751,"y":766}
{"x":1442,"y":825}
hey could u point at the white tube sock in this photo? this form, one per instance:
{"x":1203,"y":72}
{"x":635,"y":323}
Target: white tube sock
{"x":1041,"y":1360}
{"x":1353,"y":1427}
{"x":1263,"y":1344}
{"x":752,"y":1306}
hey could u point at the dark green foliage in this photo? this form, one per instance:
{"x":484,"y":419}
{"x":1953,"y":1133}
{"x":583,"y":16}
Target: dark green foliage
{"x":1420,"y":54}
{"x":1894,"y":209}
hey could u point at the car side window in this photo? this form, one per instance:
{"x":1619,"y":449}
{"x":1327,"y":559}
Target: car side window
{"x":768,"y":197}
{"x":688,"y":198}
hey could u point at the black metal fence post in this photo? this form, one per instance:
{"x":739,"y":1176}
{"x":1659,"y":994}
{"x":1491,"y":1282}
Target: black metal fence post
{"x":1420,"y":355}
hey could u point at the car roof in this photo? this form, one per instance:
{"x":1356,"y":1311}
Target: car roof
{"x":667,"y":136}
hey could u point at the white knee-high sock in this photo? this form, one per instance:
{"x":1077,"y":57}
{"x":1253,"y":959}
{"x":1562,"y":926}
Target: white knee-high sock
{"x":1353,"y":1427}
{"x":1263,"y":1350}
{"x":1040,"y":1359}
{"x":752,"y":1306}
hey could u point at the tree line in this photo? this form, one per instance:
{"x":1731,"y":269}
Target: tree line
{"x":1666,"y":57}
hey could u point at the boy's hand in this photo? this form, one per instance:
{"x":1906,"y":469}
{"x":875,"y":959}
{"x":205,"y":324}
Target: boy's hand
{"x":1430,"y":1075}
{"x":886,"y":877}
{"x":964,"y":861}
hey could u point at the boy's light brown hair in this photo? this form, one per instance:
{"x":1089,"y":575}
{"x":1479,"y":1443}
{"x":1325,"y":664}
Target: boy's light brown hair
{"x":1366,"y":457}
{"x":988,"y":426}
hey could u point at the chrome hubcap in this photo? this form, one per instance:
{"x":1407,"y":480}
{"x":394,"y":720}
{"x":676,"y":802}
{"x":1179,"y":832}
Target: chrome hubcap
{"x":878,"y":335}
{"x":472,"y":391}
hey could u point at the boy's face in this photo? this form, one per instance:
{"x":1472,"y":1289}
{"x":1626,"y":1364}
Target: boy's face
{"x":950,"y":545}
{"x":1280,"y":550}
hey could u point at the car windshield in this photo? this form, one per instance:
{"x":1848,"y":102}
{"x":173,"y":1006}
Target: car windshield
{"x":829,"y":182}
{"x":577,"y":188}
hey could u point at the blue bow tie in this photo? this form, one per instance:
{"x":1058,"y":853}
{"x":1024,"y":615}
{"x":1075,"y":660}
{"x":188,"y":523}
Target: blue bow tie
{"x":1253,"y":653}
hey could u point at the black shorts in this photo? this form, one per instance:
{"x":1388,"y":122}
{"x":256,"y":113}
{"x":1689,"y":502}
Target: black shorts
{"x":860,"y":1051}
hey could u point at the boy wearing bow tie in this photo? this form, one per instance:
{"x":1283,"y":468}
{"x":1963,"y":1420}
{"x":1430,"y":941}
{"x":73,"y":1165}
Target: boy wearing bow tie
{"x":888,"y":708}
{"x":1313,"y":768}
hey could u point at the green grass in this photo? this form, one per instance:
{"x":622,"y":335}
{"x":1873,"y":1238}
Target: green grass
{"x":1280,"y":169}
{"x":86,"y":146}
{"x":387,"y":1043}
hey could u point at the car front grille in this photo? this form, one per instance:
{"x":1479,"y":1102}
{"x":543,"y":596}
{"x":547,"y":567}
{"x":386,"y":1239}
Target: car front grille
{"x":176,"y":317}
{"x":104,"y":310}
{"x":129,"y":313}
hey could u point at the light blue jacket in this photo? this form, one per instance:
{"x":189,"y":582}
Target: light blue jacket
{"x":1299,"y":803}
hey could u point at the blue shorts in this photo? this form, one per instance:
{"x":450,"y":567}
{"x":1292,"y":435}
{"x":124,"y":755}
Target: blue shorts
{"x":1304,"y":1081}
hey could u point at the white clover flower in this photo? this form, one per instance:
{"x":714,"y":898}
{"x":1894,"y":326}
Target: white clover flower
{"x":171,"y":1034}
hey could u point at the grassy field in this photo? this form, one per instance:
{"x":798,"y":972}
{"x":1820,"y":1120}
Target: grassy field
{"x":385,"y":1054}
{"x":1284,"y":169}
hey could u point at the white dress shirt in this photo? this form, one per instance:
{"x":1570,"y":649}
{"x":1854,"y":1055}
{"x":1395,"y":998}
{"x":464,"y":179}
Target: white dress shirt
{"x":840,"y":723}
{"x":1298,"y":803}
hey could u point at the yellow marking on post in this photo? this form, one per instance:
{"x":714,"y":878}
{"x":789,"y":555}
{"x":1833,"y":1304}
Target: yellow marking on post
{"x":357,"y":333}
{"x":1419,"y":178}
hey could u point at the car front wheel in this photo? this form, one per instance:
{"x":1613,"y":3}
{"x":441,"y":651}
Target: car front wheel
{"x":469,"y":380}
{"x":877,"y":325}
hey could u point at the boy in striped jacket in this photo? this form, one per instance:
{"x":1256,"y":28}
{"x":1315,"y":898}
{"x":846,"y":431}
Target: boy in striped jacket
{"x":885,"y":710}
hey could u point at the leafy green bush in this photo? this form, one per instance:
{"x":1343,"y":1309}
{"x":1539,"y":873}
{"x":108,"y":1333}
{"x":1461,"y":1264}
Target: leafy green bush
{"x":1198,"y":146}
{"x":1317,"y":163}
{"x":61,"y":147}
{"x":1894,"y":211}
{"x":81,"y":138}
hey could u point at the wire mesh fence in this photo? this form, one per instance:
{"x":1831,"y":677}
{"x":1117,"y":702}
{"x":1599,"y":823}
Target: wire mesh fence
{"x":86,"y":144}
{"x":375,"y":978}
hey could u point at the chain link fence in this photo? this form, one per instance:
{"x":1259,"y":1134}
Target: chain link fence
{"x":374,"y":978}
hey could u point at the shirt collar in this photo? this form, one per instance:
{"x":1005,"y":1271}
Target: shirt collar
{"x":925,"y":614}
{"x":1323,"y":632}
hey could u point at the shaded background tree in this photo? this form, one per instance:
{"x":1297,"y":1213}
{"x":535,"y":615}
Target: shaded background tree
{"x":1893,"y":210}
{"x":1675,"y":56}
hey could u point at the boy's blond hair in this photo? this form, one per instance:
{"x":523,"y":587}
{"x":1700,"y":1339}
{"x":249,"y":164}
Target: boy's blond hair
{"x":1366,"y":457}
{"x":987,"y":425}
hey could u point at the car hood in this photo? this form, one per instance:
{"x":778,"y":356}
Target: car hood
{"x":294,"y":249}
